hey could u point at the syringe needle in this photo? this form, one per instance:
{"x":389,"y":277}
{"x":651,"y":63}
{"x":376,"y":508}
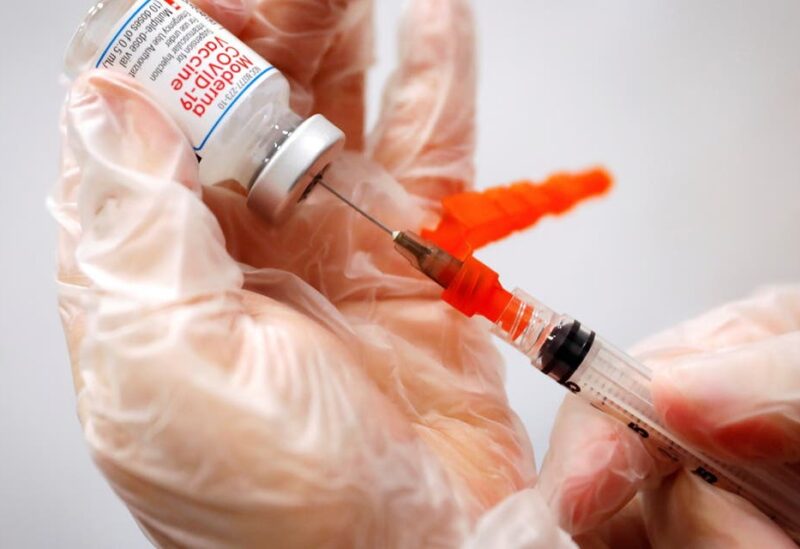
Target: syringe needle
{"x":426,"y":257}
{"x":377,"y":223}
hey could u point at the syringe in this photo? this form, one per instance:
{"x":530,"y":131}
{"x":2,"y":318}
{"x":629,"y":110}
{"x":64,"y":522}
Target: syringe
{"x":589,"y":367}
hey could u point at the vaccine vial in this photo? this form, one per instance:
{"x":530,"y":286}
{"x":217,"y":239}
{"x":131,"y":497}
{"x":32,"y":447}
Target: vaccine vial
{"x":232,"y":105}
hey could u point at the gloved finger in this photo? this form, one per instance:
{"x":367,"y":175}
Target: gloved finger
{"x":101,"y":107}
{"x":752,"y":320}
{"x":425,"y":136}
{"x":743,"y":346}
{"x":770,"y":312}
{"x":63,"y":206}
{"x":126,"y":149}
{"x":340,"y":83}
{"x":522,"y":520}
{"x":295,"y":36}
{"x":231,"y":14}
{"x":684,"y":511}
{"x":593,"y":467}
{"x":741,"y":403}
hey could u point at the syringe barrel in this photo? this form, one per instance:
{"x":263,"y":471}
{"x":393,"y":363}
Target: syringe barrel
{"x":618,"y":385}
{"x":556,"y":344}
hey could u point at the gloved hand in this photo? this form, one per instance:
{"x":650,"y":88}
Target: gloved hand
{"x":245,"y":385}
{"x":728,"y":382}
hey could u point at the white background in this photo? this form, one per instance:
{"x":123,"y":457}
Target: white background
{"x":693,"y":105}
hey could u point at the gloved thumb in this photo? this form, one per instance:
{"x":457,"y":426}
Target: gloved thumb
{"x":145,"y":233}
{"x":738,"y":403}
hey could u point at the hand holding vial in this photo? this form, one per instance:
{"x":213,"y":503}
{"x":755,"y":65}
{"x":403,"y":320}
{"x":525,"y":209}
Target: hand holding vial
{"x":241,"y":384}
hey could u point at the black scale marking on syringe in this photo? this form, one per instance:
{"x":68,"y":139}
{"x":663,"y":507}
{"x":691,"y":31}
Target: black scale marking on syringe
{"x":646,"y":428}
{"x":649,"y":431}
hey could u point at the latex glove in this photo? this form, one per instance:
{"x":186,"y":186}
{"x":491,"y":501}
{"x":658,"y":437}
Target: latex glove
{"x":729,"y":382}
{"x":244,"y":385}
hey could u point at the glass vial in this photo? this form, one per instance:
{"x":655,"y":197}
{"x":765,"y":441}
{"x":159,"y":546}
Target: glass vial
{"x":232,"y":105}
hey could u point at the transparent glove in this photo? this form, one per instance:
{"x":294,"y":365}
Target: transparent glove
{"x":728,"y":382}
{"x":244,"y":385}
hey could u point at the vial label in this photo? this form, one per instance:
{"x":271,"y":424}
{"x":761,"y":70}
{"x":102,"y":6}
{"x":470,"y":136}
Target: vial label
{"x":195,"y":68}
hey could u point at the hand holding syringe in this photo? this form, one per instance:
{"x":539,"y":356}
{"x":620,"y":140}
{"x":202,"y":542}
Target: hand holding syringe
{"x":607,"y":378}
